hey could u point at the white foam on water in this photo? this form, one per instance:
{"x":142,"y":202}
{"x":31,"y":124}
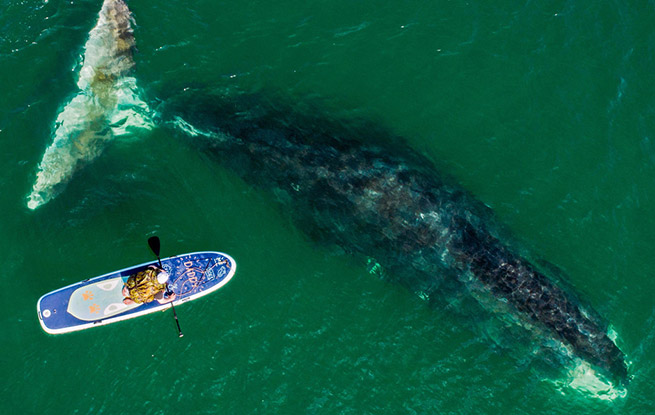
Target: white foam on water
{"x":184,"y":126}
{"x":584,"y":379}
{"x":107,"y":105}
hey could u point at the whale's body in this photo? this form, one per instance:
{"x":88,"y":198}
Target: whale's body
{"x":106,"y":106}
{"x":376,"y":200}
{"x":391,"y":204}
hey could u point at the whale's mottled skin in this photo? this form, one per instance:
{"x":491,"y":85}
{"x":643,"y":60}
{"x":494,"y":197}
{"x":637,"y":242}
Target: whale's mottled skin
{"x":106,"y":106}
{"x":392,"y":205}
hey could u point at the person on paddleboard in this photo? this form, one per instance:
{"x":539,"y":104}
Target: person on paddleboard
{"x":146,"y":286}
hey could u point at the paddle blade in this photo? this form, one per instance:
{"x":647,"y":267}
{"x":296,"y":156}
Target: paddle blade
{"x":154,"y":244}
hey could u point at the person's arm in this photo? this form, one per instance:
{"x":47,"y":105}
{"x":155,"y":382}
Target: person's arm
{"x":162,"y":299}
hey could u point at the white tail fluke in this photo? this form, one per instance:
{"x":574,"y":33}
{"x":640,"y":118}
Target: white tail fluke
{"x":107,"y":105}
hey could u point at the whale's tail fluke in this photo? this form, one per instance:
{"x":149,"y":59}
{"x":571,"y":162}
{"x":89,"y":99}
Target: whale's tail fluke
{"x":107,"y":105}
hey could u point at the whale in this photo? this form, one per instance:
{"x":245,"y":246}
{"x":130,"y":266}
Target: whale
{"x":107,"y":104}
{"x":357,"y":188}
{"x":373,"y":196}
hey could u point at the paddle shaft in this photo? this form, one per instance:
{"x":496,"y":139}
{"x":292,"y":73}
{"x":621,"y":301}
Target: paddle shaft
{"x":179,"y":330}
{"x":155,"y":245}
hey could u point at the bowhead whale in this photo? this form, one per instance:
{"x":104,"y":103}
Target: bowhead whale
{"x":106,"y":106}
{"x":382,"y":201}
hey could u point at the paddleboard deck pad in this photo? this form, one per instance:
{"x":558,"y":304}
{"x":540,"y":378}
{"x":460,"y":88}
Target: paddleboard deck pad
{"x":99,"y":301}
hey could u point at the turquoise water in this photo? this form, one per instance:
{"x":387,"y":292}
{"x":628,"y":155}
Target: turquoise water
{"x":543,"y":110}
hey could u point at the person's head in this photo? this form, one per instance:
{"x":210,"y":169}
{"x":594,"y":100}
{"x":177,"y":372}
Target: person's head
{"x":162,"y":277}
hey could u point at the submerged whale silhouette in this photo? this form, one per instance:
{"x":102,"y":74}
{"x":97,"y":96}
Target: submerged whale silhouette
{"x":107,"y":104}
{"x":386,"y":202}
{"x":380,"y":200}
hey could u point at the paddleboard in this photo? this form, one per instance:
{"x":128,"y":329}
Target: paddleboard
{"x":98,"y":301}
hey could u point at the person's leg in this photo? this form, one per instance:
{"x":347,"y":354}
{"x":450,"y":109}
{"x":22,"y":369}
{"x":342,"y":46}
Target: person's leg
{"x":126,"y":293}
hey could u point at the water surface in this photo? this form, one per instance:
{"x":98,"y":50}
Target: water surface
{"x":544,"y":111}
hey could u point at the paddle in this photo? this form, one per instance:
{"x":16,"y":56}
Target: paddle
{"x":155,"y":245}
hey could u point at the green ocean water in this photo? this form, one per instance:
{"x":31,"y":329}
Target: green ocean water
{"x":543,"y":110}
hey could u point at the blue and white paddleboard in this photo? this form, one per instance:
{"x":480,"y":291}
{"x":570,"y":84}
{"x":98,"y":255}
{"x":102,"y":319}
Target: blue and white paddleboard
{"x":99,"y":301}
